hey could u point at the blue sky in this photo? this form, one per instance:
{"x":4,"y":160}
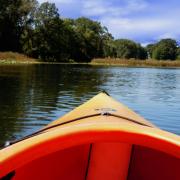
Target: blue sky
{"x":144,"y":21}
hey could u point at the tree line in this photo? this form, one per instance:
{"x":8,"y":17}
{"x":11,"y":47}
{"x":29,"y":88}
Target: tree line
{"x":38,"y":31}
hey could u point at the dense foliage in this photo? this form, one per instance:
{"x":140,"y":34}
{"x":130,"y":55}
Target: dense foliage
{"x":165,"y":49}
{"x":178,"y":53}
{"x":15,"y":17}
{"x":38,"y":31}
{"x":128,"y":49}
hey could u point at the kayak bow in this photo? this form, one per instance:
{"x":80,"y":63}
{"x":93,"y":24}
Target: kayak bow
{"x":101,"y":139}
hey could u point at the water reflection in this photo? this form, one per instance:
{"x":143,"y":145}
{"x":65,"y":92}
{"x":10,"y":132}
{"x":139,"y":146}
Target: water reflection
{"x":33,"y":95}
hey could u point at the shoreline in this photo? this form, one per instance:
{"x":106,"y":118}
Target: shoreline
{"x":11,"y":58}
{"x":111,"y":64}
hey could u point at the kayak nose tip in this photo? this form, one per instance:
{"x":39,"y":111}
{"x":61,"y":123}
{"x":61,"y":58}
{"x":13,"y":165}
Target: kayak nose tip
{"x":105,"y":92}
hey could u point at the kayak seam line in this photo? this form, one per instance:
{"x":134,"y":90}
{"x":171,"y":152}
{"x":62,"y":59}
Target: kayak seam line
{"x":50,"y":127}
{"x":131,"y":160}
{"x":88,"y":163}
{"x":77,"y":119}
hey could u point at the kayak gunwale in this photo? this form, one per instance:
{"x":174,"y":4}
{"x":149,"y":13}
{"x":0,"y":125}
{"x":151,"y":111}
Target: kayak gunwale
{"x":56,"y":140}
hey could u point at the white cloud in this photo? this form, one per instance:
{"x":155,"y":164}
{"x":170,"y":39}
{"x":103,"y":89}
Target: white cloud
{"x":128,"y":24}
{"x":169,"y":35}
{"x":142,"y":28}
{"x":94,"y":8}
{"x":100,"y":7}
{"x":57,"y":1}
{"x":135,"y":19}
{"x":136,"y":5}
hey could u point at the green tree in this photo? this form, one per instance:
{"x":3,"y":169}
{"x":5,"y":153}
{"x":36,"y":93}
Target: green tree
{"x":125,"y":48}
{"x":14,"y":16}
{"x":109,"y":48}
{"x":75,"y":41}
{"x":141,"y":52}
{"x":92,"y":37}
{"x":26,"y":38}
{"x":150,"y":48}
{"x":178,"y":53}
{"x":165,"y":49}
{"x":53,"y":39}
{"x":49,"y":38}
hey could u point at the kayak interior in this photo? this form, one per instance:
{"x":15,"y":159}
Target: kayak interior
{"x":105,"y":160}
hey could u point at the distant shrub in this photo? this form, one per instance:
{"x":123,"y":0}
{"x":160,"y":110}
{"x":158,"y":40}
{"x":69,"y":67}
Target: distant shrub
{"x":12,"y":56}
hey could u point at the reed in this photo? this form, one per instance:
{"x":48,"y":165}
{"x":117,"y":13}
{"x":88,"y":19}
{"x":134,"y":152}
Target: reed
{"x":135,"y":62}
{"x":13,"y":57}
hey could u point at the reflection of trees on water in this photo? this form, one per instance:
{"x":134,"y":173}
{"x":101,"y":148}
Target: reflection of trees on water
{"x":33,"y":95}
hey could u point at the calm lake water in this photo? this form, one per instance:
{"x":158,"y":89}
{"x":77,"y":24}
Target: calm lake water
{"x":31,"y":96}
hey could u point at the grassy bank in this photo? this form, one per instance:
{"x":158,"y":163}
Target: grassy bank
{"x":15,"y":58}
{"x":136,"y":63}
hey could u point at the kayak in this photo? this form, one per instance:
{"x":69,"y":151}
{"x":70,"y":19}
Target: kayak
{"x":100,"y":140}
